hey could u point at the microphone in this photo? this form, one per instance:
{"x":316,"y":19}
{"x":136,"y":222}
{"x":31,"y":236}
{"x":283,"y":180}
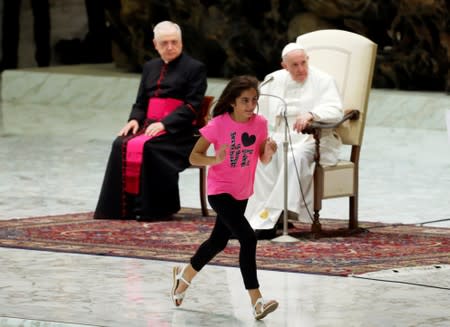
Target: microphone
{"x":270,"y":79}
{"x":285,"y":237}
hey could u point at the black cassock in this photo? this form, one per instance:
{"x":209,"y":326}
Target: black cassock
{"x":164,"y":156}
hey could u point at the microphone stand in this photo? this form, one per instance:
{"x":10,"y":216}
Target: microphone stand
{"x":285,"y":237}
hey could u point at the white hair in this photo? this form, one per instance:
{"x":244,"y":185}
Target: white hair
{"x":166,"y":27}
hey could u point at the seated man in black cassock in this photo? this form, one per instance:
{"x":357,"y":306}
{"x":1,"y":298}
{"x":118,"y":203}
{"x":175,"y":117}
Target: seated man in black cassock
{"x":141,"y":179}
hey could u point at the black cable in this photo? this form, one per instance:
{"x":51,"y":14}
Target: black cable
{"x":303,"y":195}
{"x":380,"y":226}
{"x":290,"y":143}
{"x":400,"y":282}
{"x":400,"y":224}
{"x":432,"y":221}
{"x":296,"y":168}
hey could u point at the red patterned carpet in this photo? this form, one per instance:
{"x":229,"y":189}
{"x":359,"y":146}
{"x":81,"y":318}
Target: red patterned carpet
{"x":379,"y":247}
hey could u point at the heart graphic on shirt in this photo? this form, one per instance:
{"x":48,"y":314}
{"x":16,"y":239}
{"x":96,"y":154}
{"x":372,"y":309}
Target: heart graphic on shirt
{"x":248,"y":140}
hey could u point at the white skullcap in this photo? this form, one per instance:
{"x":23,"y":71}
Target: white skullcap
{"x":291,"y":47}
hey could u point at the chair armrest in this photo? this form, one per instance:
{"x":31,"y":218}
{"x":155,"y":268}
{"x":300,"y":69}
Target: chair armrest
{"x":350,"y":114}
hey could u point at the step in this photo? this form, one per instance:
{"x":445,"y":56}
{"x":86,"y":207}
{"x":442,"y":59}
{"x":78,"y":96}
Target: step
{"x":103,"y":86}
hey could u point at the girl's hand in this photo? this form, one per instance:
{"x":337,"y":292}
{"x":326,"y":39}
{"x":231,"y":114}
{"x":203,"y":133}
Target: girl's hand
{"x":221,"y":154}
{"x":267,"y":149}
{"x":270,"y":147}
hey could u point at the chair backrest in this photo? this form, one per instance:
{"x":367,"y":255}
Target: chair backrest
{"x":204,"y":113}
{"x":350,"y":58}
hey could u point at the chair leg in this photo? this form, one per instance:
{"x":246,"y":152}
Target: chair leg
{"x":353,"y":212}
{"x":316,"y":227}
{"x":202,"y":187}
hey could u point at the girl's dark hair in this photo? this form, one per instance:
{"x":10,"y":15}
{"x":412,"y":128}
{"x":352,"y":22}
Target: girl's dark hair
{"x":232,"y":91}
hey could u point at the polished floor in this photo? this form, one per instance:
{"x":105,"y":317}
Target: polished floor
{"x":56,"y":127}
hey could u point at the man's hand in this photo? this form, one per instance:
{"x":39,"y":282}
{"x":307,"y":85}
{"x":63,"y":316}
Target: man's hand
{"x":132,"y":126}
{"x":154,"y":129}
{"x":302,"y":121}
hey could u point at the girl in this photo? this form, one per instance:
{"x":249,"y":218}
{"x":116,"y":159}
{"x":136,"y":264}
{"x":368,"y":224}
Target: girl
{"x":239,"y":137}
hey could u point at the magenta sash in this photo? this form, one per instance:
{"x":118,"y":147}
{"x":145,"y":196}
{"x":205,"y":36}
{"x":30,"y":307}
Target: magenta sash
{"x":158,"y":108}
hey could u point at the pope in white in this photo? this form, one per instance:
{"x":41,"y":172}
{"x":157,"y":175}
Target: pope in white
{"x":309,"y":95}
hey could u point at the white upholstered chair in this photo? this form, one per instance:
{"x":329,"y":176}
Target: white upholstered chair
{"x":350,"y":58}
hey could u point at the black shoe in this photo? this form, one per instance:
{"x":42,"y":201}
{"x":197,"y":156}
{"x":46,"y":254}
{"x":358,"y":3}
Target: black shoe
{"x":280,"y":225}
{"x":266,"y":234}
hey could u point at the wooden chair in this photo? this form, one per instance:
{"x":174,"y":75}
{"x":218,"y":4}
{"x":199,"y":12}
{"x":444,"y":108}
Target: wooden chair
{"x":350,"y":58}
{"x":201,"y":121}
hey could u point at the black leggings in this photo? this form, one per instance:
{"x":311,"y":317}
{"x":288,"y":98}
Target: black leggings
{"x":230,"y":221}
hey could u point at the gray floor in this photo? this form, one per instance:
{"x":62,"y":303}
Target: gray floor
{"x":55,"y":134}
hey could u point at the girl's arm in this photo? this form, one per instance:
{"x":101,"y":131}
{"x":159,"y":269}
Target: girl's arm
{"x":198,"y":155}
{"x":267,"y":149}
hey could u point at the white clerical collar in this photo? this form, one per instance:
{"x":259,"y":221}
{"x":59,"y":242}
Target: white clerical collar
{"x":292,"y":83}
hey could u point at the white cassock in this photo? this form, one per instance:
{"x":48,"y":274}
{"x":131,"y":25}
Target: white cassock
{"x":318,"y":95}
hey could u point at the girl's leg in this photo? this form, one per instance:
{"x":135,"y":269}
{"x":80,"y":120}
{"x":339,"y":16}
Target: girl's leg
{"x":182,"y":278}
{"x":230,"y":212}
{"x":216,"y":242}
{"x":219,"y":237}
{"x":230,"y":220}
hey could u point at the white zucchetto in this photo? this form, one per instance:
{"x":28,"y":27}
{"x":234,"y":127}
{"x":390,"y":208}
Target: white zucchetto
{"x":291,"y":47}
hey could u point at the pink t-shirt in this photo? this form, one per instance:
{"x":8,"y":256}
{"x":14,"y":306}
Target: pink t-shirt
{"x":236,"y":174}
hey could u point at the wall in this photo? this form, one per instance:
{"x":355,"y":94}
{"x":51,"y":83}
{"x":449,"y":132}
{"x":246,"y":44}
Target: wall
{"x":235,"y":37}
{"x":68,"y":21}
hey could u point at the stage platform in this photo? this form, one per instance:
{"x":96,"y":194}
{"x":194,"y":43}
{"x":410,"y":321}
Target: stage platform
{"x":56,"y":129}
{"x":77,"y":110}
